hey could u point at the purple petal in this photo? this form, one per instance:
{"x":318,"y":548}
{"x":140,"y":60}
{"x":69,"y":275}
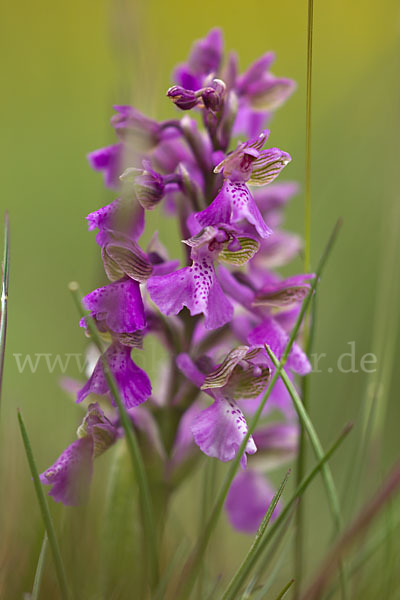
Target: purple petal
{"x":255,"y":72}
{"x":233,"y":204}
{"x":249,"y":122}
{"x":119,"y":304}
{"x":190,"y":370}
{"x":70,"y":475}
{"x":271,"y":333}
{"x":133,"y":383}
{"x":108,"y":160}
{"x":219,"y":430}
{"x":195,"y":287}
{"x":248,"y":500}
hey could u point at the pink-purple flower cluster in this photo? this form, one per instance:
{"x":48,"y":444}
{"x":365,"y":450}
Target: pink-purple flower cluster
{"x":213,"y":314}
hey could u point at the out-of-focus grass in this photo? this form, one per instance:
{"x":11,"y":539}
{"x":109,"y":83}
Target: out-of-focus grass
{"x":63,"y":66}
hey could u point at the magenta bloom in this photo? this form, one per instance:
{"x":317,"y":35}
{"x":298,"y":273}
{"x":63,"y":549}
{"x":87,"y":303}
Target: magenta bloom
{"x":117,"y":306}
{"x":133,"y":383}
{"x":71,"y":474}
{"x":234,"y":203}
{"x":204,"y":60}
{"x":248,"y":500}
{"x":197,"y":286}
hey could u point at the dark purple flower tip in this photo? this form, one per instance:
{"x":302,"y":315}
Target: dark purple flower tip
{"x":213,"y":95}
{"x":182,"y":98}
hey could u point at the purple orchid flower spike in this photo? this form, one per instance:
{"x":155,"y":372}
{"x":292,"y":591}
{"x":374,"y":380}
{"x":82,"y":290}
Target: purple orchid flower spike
{"x":197,"y":286}
{"x":71,"y":474}
{"x":204,"y":60}
{"x":219,"y":429}
{"x":133,"y":383}
{"x":247,"y":164}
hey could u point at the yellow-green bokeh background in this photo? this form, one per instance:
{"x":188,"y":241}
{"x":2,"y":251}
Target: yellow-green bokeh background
{"x":63,"y":65}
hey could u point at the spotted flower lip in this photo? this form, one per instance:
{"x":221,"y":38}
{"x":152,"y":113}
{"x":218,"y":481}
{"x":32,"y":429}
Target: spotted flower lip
{"x":117,"y":306}
{"x":219,"y":429}
{"x":133,"y":383}
{"x":197,"y":286}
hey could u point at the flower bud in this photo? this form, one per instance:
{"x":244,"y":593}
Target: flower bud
{"x":184,"y":99}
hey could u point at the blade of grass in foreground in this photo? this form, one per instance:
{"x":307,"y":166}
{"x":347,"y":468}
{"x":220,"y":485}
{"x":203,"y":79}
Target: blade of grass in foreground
{"x":285,"y":590}
{"x":297,"y":494}
{"x":39,"y":569}
{"x":4,"y":297}
{"x":192,"y":565}
{"x":333,"y":498}
{"x":133,"y":446}
{"x":240,"y":575}
{"x":45,"y":512}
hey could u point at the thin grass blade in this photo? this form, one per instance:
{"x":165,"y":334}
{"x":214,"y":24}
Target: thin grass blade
{"x":39,"y":570}
{"x":4,"y":298}
{"x":241,"y":574}
{"x":45,"y":512}
{"x":285,"y":590}
{"x":132,"y":443}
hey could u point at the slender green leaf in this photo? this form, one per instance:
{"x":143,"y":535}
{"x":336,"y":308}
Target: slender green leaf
{"x":241,"y":574}
{"x":132,"y":443}
{"x":39,"y":569}
{"x":45,"y":512}
{"x":4,"y":298}
{"x":285,"y":590}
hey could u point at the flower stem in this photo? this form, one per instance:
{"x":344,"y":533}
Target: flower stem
{"x":132,"y":443}
{"x":283,"y":593}
{"x":4,"y":297}
{"x":330,"y":487}
{"x":45,"y":512}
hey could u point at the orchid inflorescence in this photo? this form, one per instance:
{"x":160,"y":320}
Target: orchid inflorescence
{"x":215,"y":314}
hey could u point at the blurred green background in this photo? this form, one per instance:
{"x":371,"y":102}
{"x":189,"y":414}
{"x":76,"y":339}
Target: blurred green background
{"x":63,"y":65}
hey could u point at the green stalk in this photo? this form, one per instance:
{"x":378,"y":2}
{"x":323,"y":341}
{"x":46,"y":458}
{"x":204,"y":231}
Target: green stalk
{"x":45,"y":512}
{"x":330,"y":487}
{"x":192,"y":565}
{"x":4,"y":297}
{"x":240,"y":575}
{"x":285,"y":590}
{"x":307,"y":235}
{"x":132,"y":444}
{"x":39,"y":569}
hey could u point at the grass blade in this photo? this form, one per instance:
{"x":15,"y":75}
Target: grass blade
{"x":4,"y":297}
{"x":332,"y":495}
{"x":192,"y":564}
{"x":45,"y":512}
{"x":39,"y":569}
{"x":132,"y":443}
{"x":285,"y":590}
{"x":241,"y":574}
